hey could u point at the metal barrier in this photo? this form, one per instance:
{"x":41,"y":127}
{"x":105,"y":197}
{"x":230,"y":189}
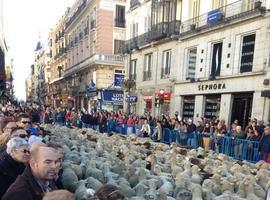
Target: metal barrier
{"x":236,"y":148}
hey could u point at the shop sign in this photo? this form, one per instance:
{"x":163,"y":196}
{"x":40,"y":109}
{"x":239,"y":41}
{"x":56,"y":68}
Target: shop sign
{"x":147,"y":97}
{"x":214,"y":16}
{"x":113,"y":96}
{"x":132,"y":99}
{"x":118,"y":79}
{"x":212,"y":86}
{"x":92,"y":93}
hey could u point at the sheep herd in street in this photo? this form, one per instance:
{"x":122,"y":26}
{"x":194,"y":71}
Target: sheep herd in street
{"x":143,"y":169}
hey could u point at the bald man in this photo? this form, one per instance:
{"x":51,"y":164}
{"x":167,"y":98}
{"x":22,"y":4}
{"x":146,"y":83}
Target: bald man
{"x":38,"y":177}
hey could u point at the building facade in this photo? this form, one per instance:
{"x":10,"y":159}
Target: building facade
{"x":218,"y":59}
{"x":95,"y":33}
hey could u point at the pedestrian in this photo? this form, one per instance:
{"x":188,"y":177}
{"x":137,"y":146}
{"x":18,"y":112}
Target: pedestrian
{"x":37,"y":178}
{"x":264,"y":145}
{"x":145,"y":130}
{"x":13,"y":162}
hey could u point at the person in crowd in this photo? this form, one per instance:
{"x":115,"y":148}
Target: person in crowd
{"x":9,"y":126}
{"x":221,"y":129}
{"x":264,"y":145}
{"x":24,"y":121}
{"x":68,"y":118}
{"x":238,"y":146}
{"x":95,"y":121}
{"x":37,"y":178}
{"x":86,"y":118}
{"x":108,"y":192}
{"x":200,"y":126}
{"x":157,"y":134}
{"x":250,"y":133}
{"x":102,"y":122}
{"x":13,"y":162}
{"x":35,"y":114}
{"x":60,"y":117}
{"x":207,"y":136}
{"x":59,"y":195}
{"x":130,"y":124}
{"x":191,"y":128}
{"x":260,"y":126}
{"x":145,"y":130}
{"x":73,"y":117}
{"x":58,"y":177}
{"x":48,"y":118}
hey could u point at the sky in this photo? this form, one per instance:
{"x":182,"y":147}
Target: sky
{"x":25,"y":22}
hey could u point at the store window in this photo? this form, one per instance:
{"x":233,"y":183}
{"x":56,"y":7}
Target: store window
{"x":188,"y":107}
{"x":191,"y":63}
{"x":212,"y":107}
{"x":216,"y":60}
{"x":247,"y":53}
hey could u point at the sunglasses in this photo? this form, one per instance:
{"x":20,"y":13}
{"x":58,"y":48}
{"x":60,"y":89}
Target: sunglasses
{"x":26,"y":122}
{"x":23,"y":135}
{"x":26,"y":151}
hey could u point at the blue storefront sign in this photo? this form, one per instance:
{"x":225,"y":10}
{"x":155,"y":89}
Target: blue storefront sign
{"x":113,"y":97}
{"x":214,"y":16}
{"x":132,"y":99}
{"x":118,"y":79}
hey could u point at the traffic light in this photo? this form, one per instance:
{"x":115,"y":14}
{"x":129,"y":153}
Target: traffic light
{"x":161,"y":96}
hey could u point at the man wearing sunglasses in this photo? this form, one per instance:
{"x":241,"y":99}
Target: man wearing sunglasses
{"x":19,"y":132}
{"x":24,"y":121}
{"x":37,"y":178}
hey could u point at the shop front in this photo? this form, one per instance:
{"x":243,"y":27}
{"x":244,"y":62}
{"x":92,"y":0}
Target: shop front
{"x":147,"y":104}
{"x":227,"y":99}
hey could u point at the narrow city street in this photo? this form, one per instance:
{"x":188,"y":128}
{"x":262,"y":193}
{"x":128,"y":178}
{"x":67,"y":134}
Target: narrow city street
{"x":134,"y":99}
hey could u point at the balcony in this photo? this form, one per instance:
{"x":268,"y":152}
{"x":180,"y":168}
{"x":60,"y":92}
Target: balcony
{"x":157,"y":32}
{"x":77,"y":13}
{"x":134,"y":4}
{"x":98,"y":59}
{"x":165,"y":29}
{"x":120,"y":23}
{"x":146,"y":75}
{"x":232,"y":12}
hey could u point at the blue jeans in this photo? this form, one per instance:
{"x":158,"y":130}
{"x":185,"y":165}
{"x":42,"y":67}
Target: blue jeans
{"x":85,"y":125}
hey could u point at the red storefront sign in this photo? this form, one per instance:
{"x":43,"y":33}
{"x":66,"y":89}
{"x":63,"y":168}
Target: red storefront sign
{"x":166,"y":95}
{"x":147,"y":98}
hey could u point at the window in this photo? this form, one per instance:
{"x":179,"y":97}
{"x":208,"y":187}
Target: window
{"x":60,"y":70}
{"x":218,"y":3}
{"x":216,"y":60}
{"x":248,"y":5}
{"x":118,"y":46}
{"x":247,"y":53}
{"x":133,"y":30}
{"x":194,"y":9}
{"x":165,"y":70}
{"x":132,"y":70}
{"x":191,"y":64}
{"x":120,"y":16}
{"x":147,"y":67}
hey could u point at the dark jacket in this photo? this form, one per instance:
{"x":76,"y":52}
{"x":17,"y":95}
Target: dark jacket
{"x":25,"y":188}
{"x":264,"y":145}
{"x":48,"y":118}
{"x":9,"y":170}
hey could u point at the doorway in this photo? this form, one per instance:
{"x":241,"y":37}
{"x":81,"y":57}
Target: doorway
{"x":242,"y":108}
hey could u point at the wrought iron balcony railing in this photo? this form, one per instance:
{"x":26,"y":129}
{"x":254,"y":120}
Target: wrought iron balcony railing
{"x":134,"y":3}
{"x":77,"y":13}
{"x":235,"y":11}
{"x":120,"y":23}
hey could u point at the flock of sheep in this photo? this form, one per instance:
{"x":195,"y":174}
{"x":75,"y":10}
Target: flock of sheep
{"x":143,"y":169}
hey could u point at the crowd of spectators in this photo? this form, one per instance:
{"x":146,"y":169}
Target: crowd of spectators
{"x":30,"y":164}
